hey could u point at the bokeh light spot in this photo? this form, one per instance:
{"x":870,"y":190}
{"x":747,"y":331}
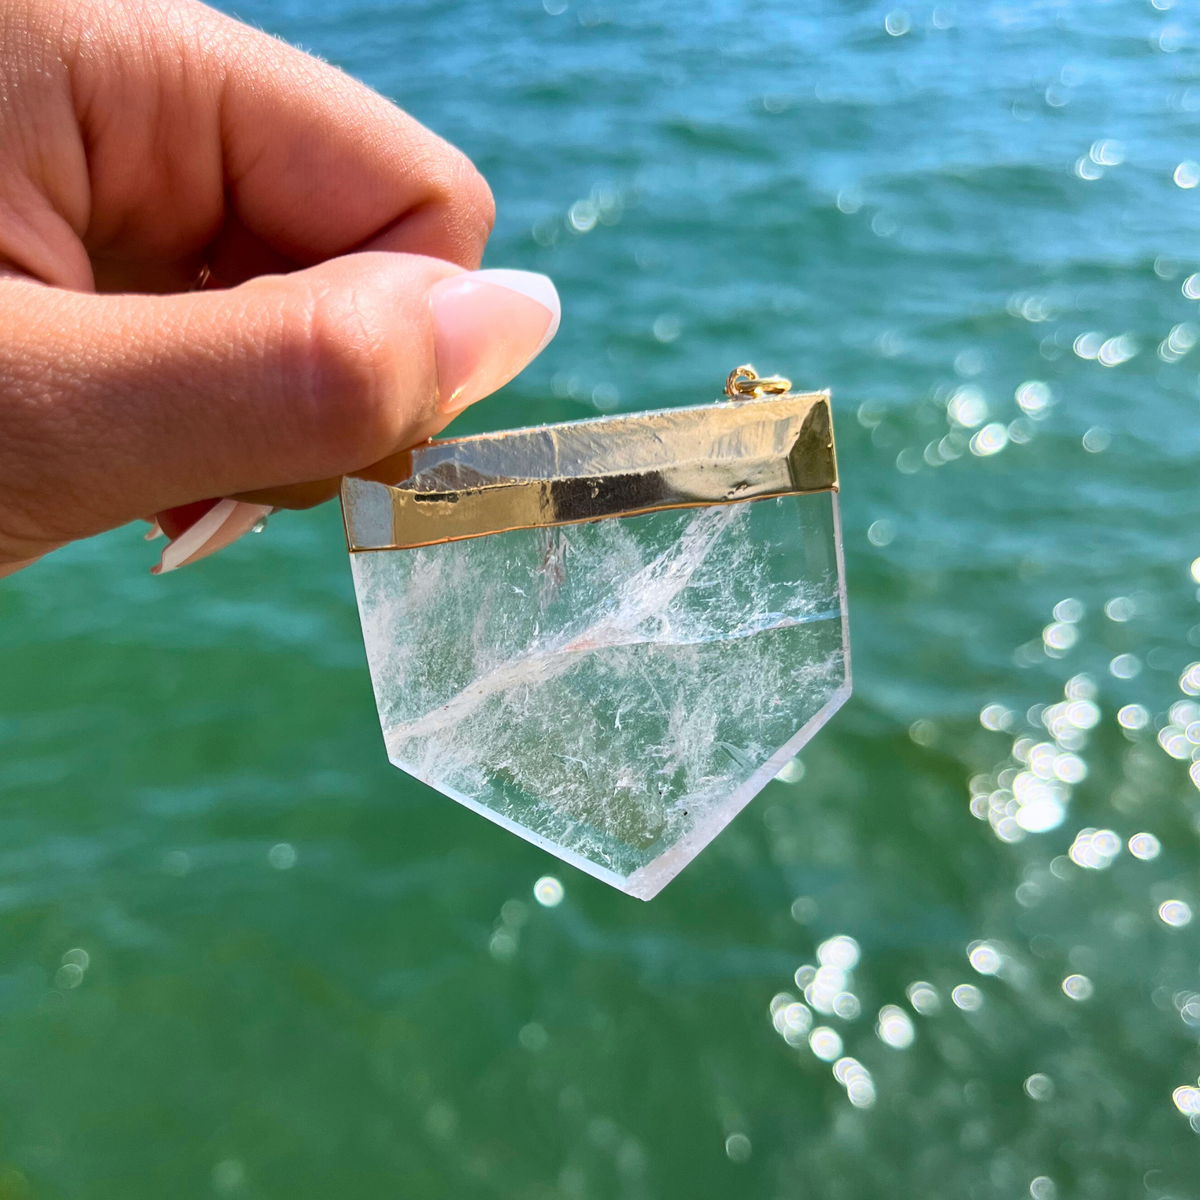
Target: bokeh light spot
{"x":1078,"y":987}
{"x":1176,"y":913}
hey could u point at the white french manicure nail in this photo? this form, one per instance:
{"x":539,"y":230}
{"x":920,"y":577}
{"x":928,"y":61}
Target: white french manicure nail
{"x":487,"y":326}
{"x":224,"y":523}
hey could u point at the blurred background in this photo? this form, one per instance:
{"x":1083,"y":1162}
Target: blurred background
{"x":242,"y":956}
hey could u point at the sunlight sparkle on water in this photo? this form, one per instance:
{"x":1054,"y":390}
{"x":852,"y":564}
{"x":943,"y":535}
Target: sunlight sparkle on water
{"x":881,"y":533}
{"x":1120,"y":609}
{"x":1179,"y":342}
{"x":986,"y":957}
{"x":1117,"y":350}
{"x":967,"y":407}
{"x":856,"y":1079}
{"x":792,"y":1020}
{"x":991,"y":439}
{"x":846,"y":1005}
{"x":1071,"y":610}
{"x":1176,"y":913}
{"x":1133,"y":716}
{"x":780,"y":1001}
{"x":1144,"y":846}
{"x":1125,"y":666}
{"x":1187,"y":174}
{"x":738,"y":1148}
{"x":548,"y":892}
{"x":1095,"y":849}
{"x":827,"y":986}
{"x":1058,"y":637}
{"x":924,"y":998}
{"x":996,"y":717}
{"x":791,"y":771}
{"x":895,"y":1027}
{"x":841,"y":951}
{"x":1035,"y":398}
{"x":1078,"y":987}
{"x":825,"y":1043}
{"x":70,"y":975}
{"x":282,"y":856}
{"x":967,"y":997}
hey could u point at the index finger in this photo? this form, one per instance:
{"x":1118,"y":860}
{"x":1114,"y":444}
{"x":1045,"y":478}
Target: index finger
{"x":199,"y":123}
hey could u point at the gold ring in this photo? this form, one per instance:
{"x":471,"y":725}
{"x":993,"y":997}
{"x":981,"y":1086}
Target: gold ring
{"x":744,"y":382}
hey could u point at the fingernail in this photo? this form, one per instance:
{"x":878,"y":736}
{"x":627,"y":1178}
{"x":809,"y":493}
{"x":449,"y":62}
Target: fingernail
{"x":224,"y":522}
{"x":487,"y":325}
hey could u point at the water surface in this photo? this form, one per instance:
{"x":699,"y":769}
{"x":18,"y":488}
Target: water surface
{"x":308,"y":976}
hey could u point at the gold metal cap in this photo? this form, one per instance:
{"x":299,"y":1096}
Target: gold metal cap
{"x":756,"y":446}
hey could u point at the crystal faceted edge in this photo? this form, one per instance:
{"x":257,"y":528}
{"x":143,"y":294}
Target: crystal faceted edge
{"x":648,"y":881}
{"x":696,"y":654}
{"x":589,"y":470}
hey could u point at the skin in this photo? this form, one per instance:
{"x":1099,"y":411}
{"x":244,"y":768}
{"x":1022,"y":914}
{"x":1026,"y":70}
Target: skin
{"x":141,"y":140}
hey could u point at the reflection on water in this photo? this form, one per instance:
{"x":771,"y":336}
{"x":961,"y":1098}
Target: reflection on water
{"x":952,"y":952}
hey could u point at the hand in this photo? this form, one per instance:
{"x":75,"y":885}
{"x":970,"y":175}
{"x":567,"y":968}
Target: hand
{"x":151,"y":145}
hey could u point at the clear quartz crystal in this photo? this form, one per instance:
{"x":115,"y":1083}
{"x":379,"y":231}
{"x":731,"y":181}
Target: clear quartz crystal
{"x":615,"y":692}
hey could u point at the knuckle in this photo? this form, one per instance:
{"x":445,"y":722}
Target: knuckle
{"x":347,"y":360}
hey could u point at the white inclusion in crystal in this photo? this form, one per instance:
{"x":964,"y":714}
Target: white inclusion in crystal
{"x":615,"y":691}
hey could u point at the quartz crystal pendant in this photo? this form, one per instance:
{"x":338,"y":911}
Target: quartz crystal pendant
{"x":608,"y":635}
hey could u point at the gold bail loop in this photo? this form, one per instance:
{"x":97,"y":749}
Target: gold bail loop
{"x":744,"y":383}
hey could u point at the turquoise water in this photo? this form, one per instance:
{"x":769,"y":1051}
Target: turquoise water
{"x":308,"y":976}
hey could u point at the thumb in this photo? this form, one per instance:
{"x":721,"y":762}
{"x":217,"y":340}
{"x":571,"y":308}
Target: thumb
{"x":112,"y":407}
